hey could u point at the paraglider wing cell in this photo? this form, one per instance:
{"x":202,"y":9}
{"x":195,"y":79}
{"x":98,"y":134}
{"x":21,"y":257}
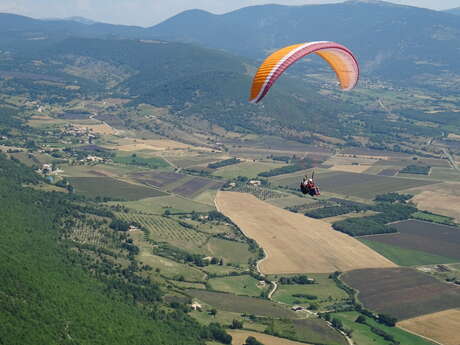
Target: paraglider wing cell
{"x":340,"y":58}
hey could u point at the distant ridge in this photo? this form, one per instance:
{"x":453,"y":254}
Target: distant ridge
{"x":455,"y":11}
{"x":385,"y":36}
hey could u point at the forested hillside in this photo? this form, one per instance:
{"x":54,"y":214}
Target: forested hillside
{"x":54,"y":292}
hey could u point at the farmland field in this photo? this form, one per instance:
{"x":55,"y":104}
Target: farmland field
{"x":158,"y":179}
{"x":174,"y":204}
{"x":388,"y":172}
{"x":249,"y":169}
{"x":362,"y":333}
{"x":196,"y":185}
{"x":352,"y":184}
{"x":185,"y":185}
{"x":350,"y":168}
{"x":402,"y":256}
{"x":239,"y":338}
{"x":238,"y":285}
{"x":242,"y":304}
{"x":443,"y":326}
{"x":294,"y":243}
{"x":167,"y":230}
{"x":441,"y":198}
{"x":190,"y":160}
{"x":290,"y":201}
{"x":110,"y":187}
{"x":402,"y":292}
{"x":230,"y":251}
{"x":423,"y":236}
{"x":324,"y":289}
{"x":317,"y":331}
{"x":167,"y":267}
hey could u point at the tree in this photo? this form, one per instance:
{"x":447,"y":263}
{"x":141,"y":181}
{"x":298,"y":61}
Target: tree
{"x":360,"y":319}
{"x":252,"y":341}
{"x":213,"y":312}
{"x":336,"y":323}
{"x":236,"y":324}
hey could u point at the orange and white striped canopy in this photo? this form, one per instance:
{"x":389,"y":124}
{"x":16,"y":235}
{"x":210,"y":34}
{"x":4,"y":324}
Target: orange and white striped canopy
{"x":340,"y":58}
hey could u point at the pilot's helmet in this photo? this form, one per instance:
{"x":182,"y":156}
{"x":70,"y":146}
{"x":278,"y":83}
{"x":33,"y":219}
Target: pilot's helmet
{"x":310,"y":180}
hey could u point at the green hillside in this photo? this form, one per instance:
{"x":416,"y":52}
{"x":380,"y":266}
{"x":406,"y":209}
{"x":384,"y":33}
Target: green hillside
{"x":49,"y":296}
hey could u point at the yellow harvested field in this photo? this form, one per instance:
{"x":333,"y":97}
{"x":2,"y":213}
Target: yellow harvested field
{"x":295,"y":243}
{"x":130,"y":144}
{"x":239,"y":338}
{"x":453,"y":136}
{"x":442,"y":327}
{"x":102,"y":128}
{"x":350,"y":168}
{"x":443,"y":199}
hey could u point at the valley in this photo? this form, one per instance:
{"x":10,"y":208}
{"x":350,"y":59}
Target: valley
{"x":140,"y":188}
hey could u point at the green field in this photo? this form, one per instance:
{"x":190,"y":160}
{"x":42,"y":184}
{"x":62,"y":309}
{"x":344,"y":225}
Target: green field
{"x":238,"y":285}
{"x":230,"y":251}
{"x":325,"y":289}
{"x":174,"y":204}
{"x":112,"y":188}
{"x":168,"y":268}
{"x":193,"y":240}
{"x":164,"y":229}
{"x":242,"y":304}
{"x":435,"y":218}
{"x":406,"y":257}
{"x":311,"y":331}
{"x":362,"y":334}
{"x":248,"y":169}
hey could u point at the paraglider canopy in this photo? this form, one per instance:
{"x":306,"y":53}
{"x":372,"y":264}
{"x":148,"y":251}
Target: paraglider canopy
{"x":340,"y":58}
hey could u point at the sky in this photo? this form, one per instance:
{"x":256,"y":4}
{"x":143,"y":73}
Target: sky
{"x":151,"y":12}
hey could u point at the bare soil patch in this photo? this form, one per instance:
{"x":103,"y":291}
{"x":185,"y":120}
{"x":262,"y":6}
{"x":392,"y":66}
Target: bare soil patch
{"x":295,"y":243}
{"x":102,"y":128}
{"x":350,"y":168}
{"x":443,"y":199}
{"x":442,"y":327}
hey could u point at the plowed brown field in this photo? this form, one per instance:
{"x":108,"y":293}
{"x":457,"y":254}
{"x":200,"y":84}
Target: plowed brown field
{"x":442,"y":327}
{"x":295,"y":243}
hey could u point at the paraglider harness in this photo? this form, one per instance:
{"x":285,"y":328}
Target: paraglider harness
{"x":308,"y":186}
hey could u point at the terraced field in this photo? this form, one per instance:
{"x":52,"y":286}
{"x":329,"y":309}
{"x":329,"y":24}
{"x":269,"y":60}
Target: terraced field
{"x":163,"y":229}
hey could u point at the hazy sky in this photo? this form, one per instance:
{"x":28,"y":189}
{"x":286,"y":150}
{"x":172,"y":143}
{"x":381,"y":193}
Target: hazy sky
{"x":150,"y":12}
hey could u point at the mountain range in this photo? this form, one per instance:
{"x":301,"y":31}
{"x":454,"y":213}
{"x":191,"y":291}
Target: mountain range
{"x":391,"y":41}
{"x":455,"y":11}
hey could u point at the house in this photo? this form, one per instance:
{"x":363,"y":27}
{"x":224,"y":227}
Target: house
{"x":297,"y":308}
{"x":255,"y":182}
{"x":47,"y":168}
{"x":196,"y":306}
